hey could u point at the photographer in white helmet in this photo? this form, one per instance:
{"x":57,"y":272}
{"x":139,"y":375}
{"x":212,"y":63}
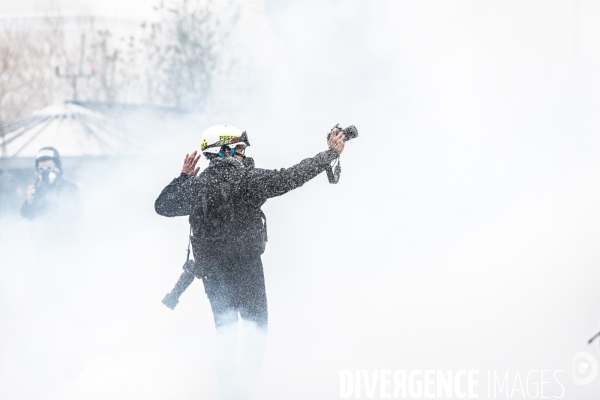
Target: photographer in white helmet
{"x":229,"y":236}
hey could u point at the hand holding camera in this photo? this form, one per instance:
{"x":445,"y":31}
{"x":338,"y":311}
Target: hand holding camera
{"x":349,"y":133}
{"x":336,"y":140}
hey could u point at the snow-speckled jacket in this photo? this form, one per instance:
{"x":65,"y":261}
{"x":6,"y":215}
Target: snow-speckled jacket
{"x":223,"y":202}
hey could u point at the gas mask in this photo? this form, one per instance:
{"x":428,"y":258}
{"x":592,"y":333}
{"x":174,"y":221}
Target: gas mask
{"x":48,"y":175}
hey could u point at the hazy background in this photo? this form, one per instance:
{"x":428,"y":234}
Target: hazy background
{"x":462,"y":235}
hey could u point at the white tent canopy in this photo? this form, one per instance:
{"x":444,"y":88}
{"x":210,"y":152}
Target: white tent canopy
{"x":74,"y":130}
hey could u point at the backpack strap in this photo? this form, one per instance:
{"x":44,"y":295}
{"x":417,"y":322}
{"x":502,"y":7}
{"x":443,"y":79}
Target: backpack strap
{"x":264,"y":217}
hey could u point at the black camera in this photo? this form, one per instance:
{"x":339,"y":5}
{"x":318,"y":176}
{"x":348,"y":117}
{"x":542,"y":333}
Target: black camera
{"x":185,"y":280}
{"x":349,"y":133}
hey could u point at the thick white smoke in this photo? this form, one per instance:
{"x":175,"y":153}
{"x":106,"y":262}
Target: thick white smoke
{"x":462,"y":235}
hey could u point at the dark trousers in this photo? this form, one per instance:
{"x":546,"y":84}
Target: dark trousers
{"x":235,"y":284}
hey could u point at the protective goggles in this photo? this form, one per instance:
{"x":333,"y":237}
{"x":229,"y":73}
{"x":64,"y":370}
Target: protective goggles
{"x":228,"y":140}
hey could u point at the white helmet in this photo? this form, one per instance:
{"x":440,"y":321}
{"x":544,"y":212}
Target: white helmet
{"x":218,"y":136}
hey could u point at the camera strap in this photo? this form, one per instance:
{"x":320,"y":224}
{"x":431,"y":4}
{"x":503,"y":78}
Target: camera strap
{"x":333,"y":173}
{"x":190,"y":266}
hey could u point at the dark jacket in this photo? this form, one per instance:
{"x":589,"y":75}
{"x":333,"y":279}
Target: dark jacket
{"x":55,"y":214}
{"x":57,"y":201}
{"x":224,"y":201}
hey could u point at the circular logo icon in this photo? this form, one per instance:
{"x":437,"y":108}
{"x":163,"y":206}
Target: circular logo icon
{"x":585,"y":368}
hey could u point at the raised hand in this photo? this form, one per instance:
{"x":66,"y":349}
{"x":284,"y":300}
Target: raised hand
{"x":30,"y":194}
{"x":189,"y":164}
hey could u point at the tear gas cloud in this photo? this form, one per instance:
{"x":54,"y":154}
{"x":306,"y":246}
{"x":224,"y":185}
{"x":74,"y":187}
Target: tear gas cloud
{"x":462,"y":235}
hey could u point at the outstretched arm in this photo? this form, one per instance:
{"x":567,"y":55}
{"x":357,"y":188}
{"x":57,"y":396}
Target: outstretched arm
{"x":175,"y":200}
{"x":272,"y":183}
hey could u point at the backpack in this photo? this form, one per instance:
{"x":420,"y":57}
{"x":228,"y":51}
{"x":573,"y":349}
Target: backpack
{"x":223,"y":217}
{"x":214,"y":206}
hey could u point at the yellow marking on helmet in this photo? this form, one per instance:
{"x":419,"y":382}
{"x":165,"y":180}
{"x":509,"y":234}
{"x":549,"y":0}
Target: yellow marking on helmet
{"x":227,"y":139}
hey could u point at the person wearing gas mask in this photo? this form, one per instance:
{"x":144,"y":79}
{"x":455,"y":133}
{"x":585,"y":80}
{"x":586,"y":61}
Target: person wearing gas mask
{"x":229,"y":236}
{"x":52,"y":200}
